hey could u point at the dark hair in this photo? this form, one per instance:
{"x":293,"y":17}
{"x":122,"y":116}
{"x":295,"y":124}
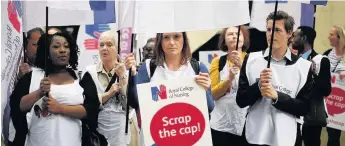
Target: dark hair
{"x":42,"y":57}
{"x":159,"y":53}
{"x":29,"y":35}
{"x":246,"y":40}
{"x":289,"y":22}
{"x":37,"y":29}
{"x":309,"y":32}
{"x":151,"y":40}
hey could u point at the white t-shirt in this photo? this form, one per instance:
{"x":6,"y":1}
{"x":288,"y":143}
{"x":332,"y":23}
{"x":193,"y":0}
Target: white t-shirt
{"x":55,"y":129}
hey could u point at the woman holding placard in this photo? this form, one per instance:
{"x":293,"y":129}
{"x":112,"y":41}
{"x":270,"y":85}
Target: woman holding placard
{"x":112,"y":117}
{"x":227,"y":118}
{"x":336,"y":56}
{"x":172,"y":61}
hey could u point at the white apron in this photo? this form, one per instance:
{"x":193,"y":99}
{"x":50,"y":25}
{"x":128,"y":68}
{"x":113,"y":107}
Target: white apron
{"x":265,"y":124}
{"x":111,"y":118}
{"x":227,"y":116}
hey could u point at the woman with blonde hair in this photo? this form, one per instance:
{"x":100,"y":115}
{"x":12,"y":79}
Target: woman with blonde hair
{"x":336,"y":56}
{"x":112,"y":116}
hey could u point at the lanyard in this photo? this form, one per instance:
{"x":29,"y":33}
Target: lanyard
{"x":336,"y":65}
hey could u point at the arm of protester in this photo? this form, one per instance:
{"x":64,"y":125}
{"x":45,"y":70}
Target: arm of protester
{"x":247,"y":94}
{"x":91,"y":102}
{"x":218,"y":88}
{"x":323,"y":81}
{"x":210,"y":102}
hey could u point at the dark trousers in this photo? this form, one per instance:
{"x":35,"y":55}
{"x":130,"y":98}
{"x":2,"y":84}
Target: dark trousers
{"x":333,"y":137}
{"x":227,"y":139}
{"x":298,"y":136}
{"x":311,"y":135}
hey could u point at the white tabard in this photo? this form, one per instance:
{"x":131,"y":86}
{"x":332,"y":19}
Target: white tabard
{"x":266,"y":125}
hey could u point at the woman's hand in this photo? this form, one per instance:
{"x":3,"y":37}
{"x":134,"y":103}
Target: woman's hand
{"x":203,"y":79}
{"x":235,"y":58}
{"x":131,"y":64}
{"x":233,"y":72}
{"x":120,"y":69}
{"x":51,"y":105}
{"x":44,"y":86}
{"x":342,"y":75}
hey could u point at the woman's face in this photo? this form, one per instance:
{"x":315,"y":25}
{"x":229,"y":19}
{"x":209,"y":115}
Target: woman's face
{"x":59,"y":51}
{"x":333,"y":37}
{"x":172,"y":43}
{"x":107,"y":49}
{"x":231,"y":38}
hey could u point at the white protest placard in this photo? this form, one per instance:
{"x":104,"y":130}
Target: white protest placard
{"x":206,"y":57}
{"x":336,"y":104}
{"x":64,"y":13}
{"x":178,"y":16}
{"x":11,"y":48}
{"x":173,"y":113}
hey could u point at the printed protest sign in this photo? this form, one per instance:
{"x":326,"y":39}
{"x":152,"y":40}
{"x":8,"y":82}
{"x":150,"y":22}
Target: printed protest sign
{"x":207,"y":56}
{"x":11,"y":49}
{"x":174,"y":113}
{"x":336,"y":104}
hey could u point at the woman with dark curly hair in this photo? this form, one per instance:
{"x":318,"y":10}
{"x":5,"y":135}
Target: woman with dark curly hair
{"x":55,"y":120}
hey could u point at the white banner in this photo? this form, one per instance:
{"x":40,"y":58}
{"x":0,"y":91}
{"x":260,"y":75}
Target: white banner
{"x":178,"y":16}
{"x":11,"y":47}
{"x":125,"y":11}
{"x":35,"y":16}
{"x":336,"y":104}
{"x":206,"y":57}
{"x":261,"y":9}
{"x":174,"y":113}
{"x":64,"y":13}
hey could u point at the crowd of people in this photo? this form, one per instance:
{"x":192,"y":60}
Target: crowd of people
{"x":54,"y":104}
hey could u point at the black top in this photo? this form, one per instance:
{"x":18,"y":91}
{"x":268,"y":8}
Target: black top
{"x":247,"y":94}
{"x":91,"y":105}
{"x":322,"y":87}
{"x":323,"y":80}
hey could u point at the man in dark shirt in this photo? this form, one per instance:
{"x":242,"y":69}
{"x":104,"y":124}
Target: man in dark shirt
{"x":303,"y":40}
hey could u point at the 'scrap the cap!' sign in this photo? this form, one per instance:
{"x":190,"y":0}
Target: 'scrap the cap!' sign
{"x":171,"y":120}
{"x":336,"y":103}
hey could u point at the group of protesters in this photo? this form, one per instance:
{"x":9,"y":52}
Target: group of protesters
{"x":55,"y":104}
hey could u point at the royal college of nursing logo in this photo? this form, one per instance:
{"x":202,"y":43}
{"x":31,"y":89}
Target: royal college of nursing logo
{"x":14,"y":10}
{"x":161,"y":92}
{"x":211,"y":56}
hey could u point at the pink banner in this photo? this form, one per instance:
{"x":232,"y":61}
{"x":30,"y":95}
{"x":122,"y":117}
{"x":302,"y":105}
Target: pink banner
{"x":125,"y":42}
{"x":336,"y":103}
